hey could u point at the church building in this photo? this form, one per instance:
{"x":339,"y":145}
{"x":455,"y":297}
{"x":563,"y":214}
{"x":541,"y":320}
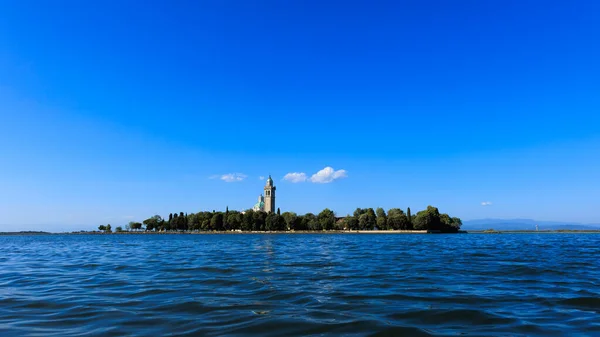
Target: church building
{"x":266,"y":202}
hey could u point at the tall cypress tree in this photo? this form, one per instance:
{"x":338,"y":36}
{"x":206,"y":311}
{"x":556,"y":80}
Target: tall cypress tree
{"x":180,"y":220}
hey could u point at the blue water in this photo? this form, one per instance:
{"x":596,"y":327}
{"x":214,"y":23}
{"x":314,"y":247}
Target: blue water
{"x":303,"y":284}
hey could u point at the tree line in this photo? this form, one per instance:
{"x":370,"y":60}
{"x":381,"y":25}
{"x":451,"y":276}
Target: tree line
{"x":361,"y":219}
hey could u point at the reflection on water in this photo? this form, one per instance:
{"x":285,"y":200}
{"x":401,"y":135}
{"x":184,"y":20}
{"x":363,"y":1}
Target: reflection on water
{"x":266,"y":246}
{"x":284,"y":285}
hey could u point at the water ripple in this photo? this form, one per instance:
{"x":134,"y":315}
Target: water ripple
{"x":285,"y":285}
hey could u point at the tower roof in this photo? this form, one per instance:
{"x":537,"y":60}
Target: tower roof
{"x":269,"y":181}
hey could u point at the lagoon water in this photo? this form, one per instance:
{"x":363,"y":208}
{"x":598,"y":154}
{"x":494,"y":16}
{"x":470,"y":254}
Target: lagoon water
{"x":304,"y":284}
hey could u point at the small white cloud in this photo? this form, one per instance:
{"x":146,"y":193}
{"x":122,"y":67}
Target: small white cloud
{"x":328,"y":175}
{"x":295,"y":177}
{"x":486,"y":203}
{"x":324,"y":176}
{"x":261,"y":178}
{"x":230,"y":177}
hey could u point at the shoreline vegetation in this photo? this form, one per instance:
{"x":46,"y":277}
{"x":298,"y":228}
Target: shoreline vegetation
{"x":233,"y":232}
{"x":362,"y":220}
{"x":375,"y":231}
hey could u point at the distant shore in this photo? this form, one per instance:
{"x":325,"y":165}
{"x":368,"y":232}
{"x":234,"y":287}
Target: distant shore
{"x":558,"y":231}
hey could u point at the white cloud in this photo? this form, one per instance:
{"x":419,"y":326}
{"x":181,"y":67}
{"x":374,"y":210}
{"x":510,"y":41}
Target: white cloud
{"x":324,"y":176}
{"x":486,"y":203}
{"x":230,"y":177}
{"x":328,"y":175}
{"x":295,"y":177}
{"x":261,"y":178}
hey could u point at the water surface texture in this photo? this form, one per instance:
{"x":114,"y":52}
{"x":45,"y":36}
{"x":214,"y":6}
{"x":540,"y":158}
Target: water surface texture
{"x":305,"y":284}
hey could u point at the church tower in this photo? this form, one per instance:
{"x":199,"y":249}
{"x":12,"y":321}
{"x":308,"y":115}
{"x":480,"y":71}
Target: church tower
{"x":269,"y":196}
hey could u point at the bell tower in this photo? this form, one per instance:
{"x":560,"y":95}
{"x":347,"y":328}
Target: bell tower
{"x":269,"y":196}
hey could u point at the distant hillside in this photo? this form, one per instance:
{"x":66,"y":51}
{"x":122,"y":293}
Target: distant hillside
{"x":524,"y":224}
{"x":25,"y":232}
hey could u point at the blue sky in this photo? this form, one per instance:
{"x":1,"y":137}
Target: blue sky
{"x":113,"y":111}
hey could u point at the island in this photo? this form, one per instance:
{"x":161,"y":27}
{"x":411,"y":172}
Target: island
{"x":265,"y":217}
{"x":395,"y":220}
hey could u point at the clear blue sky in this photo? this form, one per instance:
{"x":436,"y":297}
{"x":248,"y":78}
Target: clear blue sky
{"x":113,"y":111}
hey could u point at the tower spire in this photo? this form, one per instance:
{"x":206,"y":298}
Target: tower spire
{"x":269,"y":196}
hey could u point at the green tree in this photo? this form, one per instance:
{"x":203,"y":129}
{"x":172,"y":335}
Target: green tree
{"x":274,"y":222}
{"x":175,"y":222}
{"x":119,"y":229}
{"x":358,"y":212}
{"x":278,"y":211}
{"x":153,"y":222}
{"x":371,"y":218}
{"x":428,"y":219}
{"x":309,"y":221}
{"x":101,"y":228}
{"x":181,"y":222}
{"x":326,"y":219}
{"x":409,"y":216}
{"x":300,"y":223}
{"x":382,"y":219}
{"x":445,"y":219}
{"x":216,"y":222}
{"x":193,"y":222}
{"x":135,"y":225}
{"x":290,"y":219}
{"x":150,"y":224}
{"x":358,"y":224}
{"x":449,"y":224}
{"x":363,"y":221}
{"x":456,"y":223}
{"x":397,"y":219}
{"x":108,"y":228}
{"x":271,"y":222}
{"x":204,"y":219}
{"x":281,"y":224}
{"x":352,"y":223}
{"x":248,"y":220}
{"x":341,"y":224}
{"x":234,"y":220}
{"x":259,"y":219}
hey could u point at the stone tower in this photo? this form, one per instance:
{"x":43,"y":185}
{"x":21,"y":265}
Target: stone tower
{"x":269,"y":196}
